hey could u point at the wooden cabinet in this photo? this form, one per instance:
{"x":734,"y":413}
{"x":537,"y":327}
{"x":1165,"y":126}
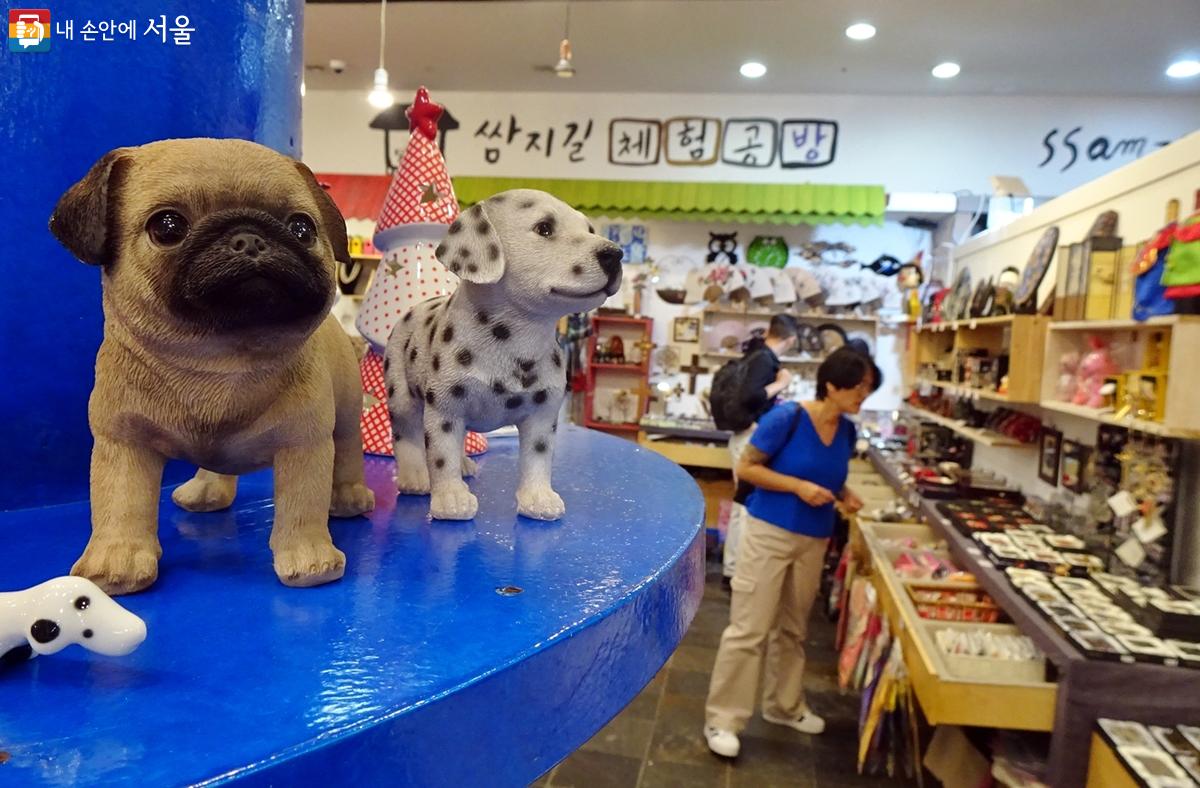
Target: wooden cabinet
{"x":941,"y":346}
{"x":617,"y":384}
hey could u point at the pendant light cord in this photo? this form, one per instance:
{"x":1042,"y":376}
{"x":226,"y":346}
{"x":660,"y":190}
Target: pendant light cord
{"x":382,"y":27}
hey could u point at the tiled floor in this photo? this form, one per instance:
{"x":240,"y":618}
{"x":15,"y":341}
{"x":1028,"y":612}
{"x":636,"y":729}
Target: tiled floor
{"x":657,"y":739}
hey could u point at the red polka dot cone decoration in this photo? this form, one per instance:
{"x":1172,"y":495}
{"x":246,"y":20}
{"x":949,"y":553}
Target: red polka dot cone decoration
{"x":419,"y":206}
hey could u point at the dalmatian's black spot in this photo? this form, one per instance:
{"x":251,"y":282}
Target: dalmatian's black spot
{"x":429,"y":397}
{"x":448,"y":334}
{"x":387,"y":363}
{"x":412,"y":355}
{"x":430,"y":318}
{"x":391,"y":391}
{"x":540,"y":447}
{"x":527,"y":204}
{"x":464,"y":252}
{"x":499,"y":198}
{"x":455,"y":227}
{"x":437,"y":362}
{"x":432,"y":333}
{"x":15,"y":656}
{"x":482,"y":317}
{"x":557,"y":358}
{"x":501,"y":332}
{"x":440,"y":252}
{"x":458,"y":391}
{"x":540,"y":396}
{"x":577,"y":270}
{"x":412,"y":392}
{"x":446,"y":426}
{"x":514,"y":402}
{"x":591,"y":230}
{"x":526,"y":365}
{"x":493,"y":252}
{"x":554,"y":427}
{"x":455,"y":268}
{"x":474,"y":209}
{"x":464,"y":357}
{"x":395,"y":435}
{"x":526,"y":380}
{"x":499,"y":388}
{"x":87,"y":633}
{"x":439,"y":463}
{"x":482,"y":228}
{"x":44,"y":630}
{"x":472,"y":268}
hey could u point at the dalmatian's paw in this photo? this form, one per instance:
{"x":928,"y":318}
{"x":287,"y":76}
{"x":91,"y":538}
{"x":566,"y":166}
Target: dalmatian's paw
{"x":453,"y":502}
{"x":304,"y":562}
{"x":205,"y":494}
{"x":120,"y":566}
{"x":469,"y":466}
{"x":351,"y":500}
{"x":412,"y":478}
{"x":540,"y":503}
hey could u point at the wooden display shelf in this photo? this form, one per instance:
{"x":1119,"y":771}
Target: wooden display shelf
{"x":729,"y":354}
{"x":986,"y":437}
{"x":1132,"y":343}
{"x":618,"y":367}
{"x":1105,"y":769}
{"x":611,"y":426}
{"x":969,"y":323}
{"x":945,"y":699}
{"x":1124,"y":325}
{"x":1140,"y":425}
{"x":689,"y":453}
{"x":768,"y":313}
{"x":1021,"y":337}
{"x":964,"y":391}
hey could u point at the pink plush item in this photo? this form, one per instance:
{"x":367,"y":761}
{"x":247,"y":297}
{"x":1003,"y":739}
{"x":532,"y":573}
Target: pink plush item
{"x":1068,"y":368}
{"x":1094,"y":367}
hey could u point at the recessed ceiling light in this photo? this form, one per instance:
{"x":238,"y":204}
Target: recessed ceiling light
{"x":946,"y":70}
{"x":1183,"y":69}
{"x":753,"y":70}
{"x":860,"y":31}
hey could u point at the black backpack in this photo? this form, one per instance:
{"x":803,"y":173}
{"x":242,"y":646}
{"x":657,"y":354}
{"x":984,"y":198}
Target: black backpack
{"x":727,"y":396}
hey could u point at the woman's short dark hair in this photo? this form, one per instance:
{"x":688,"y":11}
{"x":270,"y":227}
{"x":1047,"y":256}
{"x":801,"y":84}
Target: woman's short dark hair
{"x":846,"y":368}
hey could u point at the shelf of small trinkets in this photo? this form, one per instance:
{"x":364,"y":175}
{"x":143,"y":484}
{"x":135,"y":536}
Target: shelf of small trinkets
{"x":941,"y":346}
{"x":986,"y":437}
{"x":1157,"y":391}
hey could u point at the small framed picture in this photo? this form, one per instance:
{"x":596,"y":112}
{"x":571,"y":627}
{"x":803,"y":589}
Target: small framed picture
{"x":1073,"y":468}
{"x":1050,"y":451}
{"x":686,"y":329}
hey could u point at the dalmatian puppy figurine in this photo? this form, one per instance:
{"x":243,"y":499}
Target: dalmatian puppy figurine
{"x":486,"y":356}
{"x":51,"y":616}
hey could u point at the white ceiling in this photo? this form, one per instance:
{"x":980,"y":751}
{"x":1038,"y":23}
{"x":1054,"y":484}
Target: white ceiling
{"x":1023,"y":47}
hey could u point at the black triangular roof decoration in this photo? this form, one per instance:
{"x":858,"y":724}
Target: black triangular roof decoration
{"x":394,"y":119}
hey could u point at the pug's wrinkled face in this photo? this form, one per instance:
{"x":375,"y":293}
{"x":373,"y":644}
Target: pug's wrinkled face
{"x":215,"y":236}
{"x":543,"y":254}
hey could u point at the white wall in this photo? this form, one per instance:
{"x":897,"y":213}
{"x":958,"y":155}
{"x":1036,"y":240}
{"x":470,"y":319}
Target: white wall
{"x":913,"y":144}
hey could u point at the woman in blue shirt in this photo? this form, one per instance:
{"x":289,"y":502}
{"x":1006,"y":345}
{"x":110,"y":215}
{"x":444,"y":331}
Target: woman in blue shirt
{"x":797,"y":460}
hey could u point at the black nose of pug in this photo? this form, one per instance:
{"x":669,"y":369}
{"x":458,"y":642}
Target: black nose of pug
{"x":609,"y":258}
{"x":248,"y":244}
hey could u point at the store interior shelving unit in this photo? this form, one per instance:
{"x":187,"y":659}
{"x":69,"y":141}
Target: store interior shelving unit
{"x":754,"y":316}
{"x":1021,"y":337}
{"x":634,"y":376}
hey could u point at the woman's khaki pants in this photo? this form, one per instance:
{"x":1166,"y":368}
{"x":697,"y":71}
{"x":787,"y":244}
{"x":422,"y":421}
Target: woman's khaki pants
{"x":778,"y":575}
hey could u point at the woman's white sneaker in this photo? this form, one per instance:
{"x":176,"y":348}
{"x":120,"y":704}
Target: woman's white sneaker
{"x":722,"y":742}
{"x":806,"y":723}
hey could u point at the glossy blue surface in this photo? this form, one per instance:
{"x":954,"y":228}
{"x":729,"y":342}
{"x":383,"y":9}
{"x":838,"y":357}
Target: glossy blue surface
{"x":411,"y":670}
{"x":63,"y":110}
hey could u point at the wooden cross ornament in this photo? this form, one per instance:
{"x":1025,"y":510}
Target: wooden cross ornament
{"x":693,"y":370}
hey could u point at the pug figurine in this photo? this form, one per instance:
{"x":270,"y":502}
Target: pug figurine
{"x":218,"y":268}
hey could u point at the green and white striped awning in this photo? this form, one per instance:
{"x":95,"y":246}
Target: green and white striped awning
{"x":750,"y":203}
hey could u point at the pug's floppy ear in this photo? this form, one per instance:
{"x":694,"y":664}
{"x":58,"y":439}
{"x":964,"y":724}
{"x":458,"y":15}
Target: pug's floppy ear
{"x":331,"y":217}
{"x":82,"y":220}
{"x":472,"y":248}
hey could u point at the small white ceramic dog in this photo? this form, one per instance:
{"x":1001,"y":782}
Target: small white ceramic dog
{"x":52,"y":615}
{"x":486,"y":356}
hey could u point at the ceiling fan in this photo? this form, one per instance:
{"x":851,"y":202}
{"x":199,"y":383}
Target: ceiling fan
{"x":563,"y":68}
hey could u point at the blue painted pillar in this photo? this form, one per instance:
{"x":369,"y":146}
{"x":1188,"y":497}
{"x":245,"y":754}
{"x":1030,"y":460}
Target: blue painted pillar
{"x":62,"y":109}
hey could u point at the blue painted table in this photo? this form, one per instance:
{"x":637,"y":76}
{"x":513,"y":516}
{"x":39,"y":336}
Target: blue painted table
{"x":410,"y":670}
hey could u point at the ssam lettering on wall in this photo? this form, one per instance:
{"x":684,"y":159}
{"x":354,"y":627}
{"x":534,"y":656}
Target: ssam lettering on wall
{"x":1066,"y":148}
{"x":570,"y":138}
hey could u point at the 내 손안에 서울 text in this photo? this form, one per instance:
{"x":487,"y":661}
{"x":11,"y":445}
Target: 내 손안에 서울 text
{"x":32,"y":30}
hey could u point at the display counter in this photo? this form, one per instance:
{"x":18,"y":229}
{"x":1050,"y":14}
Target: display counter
{"x":451,"y":653}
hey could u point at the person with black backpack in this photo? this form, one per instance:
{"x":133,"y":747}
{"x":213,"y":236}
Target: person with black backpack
{"x":742,"y":391}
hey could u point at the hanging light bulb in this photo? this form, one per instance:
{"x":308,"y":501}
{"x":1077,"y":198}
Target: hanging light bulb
{"x":563,"y":67}
{"x":381,"y":96}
